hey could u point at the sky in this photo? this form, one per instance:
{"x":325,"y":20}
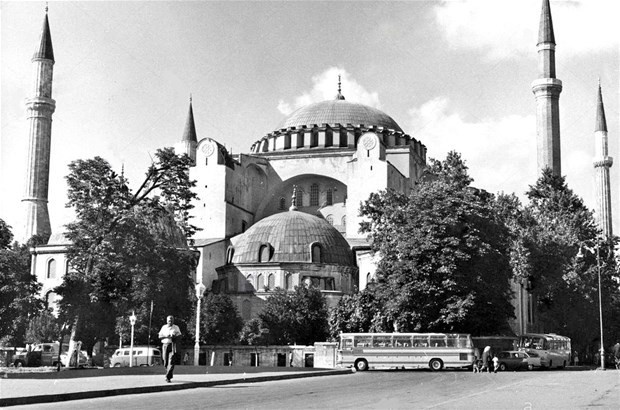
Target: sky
{"x":455,"y":75}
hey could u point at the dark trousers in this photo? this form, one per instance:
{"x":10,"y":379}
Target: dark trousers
{"x":168,"y":352}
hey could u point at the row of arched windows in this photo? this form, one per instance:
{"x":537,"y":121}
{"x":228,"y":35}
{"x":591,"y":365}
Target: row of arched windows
{"x":330,"y":219}
{"x":314,"y":197}
{"x":51,"y":269}
{"x":266,"y":252}
{"x":259,"y":284}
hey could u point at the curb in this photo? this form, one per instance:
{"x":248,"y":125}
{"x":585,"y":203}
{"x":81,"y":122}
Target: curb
{"x":53,"y":398}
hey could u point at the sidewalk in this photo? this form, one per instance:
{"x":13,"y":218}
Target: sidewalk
{"x":31,"y":388}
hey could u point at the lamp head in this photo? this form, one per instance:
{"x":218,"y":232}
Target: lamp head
{"x":132,"y":318}
{"x":200,"y":290}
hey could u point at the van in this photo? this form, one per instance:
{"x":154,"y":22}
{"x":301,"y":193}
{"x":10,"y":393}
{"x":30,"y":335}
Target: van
{"x":142,"y":356}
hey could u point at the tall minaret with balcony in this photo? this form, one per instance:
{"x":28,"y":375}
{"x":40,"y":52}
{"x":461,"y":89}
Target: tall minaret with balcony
{"x":40,"y":108}
{"x":189,"y":141}
{"x":602,"y":163}
{"x":547,"y":90}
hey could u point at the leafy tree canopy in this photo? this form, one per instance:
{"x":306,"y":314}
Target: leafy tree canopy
{"x":295,"y":317}
{"x":444,"y":264}
{"x":220,"y":322}
{"x":19,"y":289}
{"x":128,"y":248}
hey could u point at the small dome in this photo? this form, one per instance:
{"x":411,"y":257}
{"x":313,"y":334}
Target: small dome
{"x":291,"y":236}
{"x":339,"y":112}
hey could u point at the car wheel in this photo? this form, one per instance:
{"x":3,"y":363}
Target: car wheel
{"x":502,"y":367}
{"x":361,"y":365}
{"x":18,"y":363}
{"x":117,"y":365}
{"x":436,"y":365}
{"x":530,"y":367}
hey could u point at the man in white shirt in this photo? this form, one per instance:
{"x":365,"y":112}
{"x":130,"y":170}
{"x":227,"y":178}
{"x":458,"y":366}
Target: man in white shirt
{"x":169,"y":334}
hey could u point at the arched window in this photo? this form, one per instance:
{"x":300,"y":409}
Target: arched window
{"x":230,"y":252}
{"x":329,"y":197}
{"x":246,"y":309}
{"x":314,"y":195}
{"x":289,"y":281}
{"x":264,"y":253}
{"x":368,"y":277}
{"x":330,"y":219}
{"x":260,"y":282}
{"x":51,"y":269}
{"x":344,"y":221}
{"x":282,"y":206}
{"x":299,"y":199}
{"x":271,"y":281}
{"x":316,"y":253}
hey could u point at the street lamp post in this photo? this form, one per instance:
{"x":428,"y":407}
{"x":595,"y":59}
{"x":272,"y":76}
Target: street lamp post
{"x":596,"y":251}
{"x":132,"y":320}
{"x":200,"y":291}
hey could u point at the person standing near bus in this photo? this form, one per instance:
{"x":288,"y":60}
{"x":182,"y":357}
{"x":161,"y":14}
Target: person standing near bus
{"x":486,"y":359}
{"x":169,"y":335}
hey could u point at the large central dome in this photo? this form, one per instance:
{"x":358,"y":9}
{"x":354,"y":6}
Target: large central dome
{"x":339,"y":112}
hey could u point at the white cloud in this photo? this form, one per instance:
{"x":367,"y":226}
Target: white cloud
{"x":508,"y":28}
{"x":325,"y":88}
{"x":500,"y":153}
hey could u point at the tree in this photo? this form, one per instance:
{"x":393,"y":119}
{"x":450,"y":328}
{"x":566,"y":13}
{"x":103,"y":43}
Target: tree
{"x":360,"y":312}
{"x":220,"y":322}
{"x":295,"y":317}
{"x":444,"y":264}
{"x":43,"y":328}
{"x":566,"y":287}
{"x":127,"y":248}
{"x":19,"y":289}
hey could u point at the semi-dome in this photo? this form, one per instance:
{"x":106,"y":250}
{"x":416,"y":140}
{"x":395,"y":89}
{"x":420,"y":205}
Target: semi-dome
{"x":339,"y":111}
{"x":291,"y":237}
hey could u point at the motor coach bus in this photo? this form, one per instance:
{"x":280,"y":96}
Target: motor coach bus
{"x":554,"y":350}
{"x":405,"y":350}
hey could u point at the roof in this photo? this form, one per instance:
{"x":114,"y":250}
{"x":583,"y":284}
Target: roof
{"x":545,"y":29}
{"x":189,"y":134}
{"x":291,"y":236}
{"x":601,"y":122}
{"x":338,"y":111}
{"x":45,"y":49}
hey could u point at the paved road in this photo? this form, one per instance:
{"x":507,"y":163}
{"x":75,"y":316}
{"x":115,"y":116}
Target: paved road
{"x":391,"y":389}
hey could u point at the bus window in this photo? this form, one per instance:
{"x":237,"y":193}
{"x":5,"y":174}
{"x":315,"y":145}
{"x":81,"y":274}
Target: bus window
{"x":382,"y":341}
{"x":363,"y":341}
{"x":438,"y":341}
{"x":420,"y":340}
{"x":346,"y":344}
{"x":453,"y":341}
{"x":402,"y":341}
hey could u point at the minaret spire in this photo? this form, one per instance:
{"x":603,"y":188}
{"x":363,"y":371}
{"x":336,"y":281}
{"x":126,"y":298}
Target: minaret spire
{"x":189,"y":141}
{"x":602,"y":163}
{"x":39,"y":108}
{"x":547,"y":89}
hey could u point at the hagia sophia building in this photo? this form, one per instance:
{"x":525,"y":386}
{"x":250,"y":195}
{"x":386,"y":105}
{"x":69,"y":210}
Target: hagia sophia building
{"x":287,"y":212}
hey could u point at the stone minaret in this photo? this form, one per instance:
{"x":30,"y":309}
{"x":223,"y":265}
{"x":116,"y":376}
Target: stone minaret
{"x":40,"y":108}
{"x":547,"y":90}
{"x":189,"y":141}
{"x":602,"y":163}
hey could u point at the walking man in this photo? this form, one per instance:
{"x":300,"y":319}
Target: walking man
{"x":169,"y":335}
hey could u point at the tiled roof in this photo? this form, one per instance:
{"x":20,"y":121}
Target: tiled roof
{"x":339,"y":112}
{"x":291,"y":235}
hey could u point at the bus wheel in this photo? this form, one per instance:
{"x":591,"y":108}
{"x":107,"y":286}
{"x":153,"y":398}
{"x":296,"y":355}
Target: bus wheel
{"x":436,"y":364}
{"x":361,"y":365}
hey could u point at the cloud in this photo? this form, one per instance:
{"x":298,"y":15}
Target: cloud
{"x":500,"y":153}
{"x":509,"y":29}
{"x":325,"y":88}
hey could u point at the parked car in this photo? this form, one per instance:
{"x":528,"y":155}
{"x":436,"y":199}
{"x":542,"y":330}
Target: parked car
{"x":533,"y":360}
{"x":142,"y":356}
{"x":516,"y":360}
{"x":46,"y":354}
